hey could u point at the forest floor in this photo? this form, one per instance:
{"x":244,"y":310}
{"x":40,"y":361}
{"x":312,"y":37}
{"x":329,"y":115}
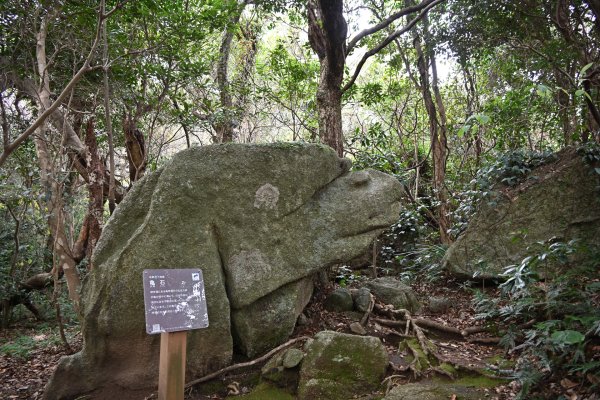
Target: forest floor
{"x":30,"y":351}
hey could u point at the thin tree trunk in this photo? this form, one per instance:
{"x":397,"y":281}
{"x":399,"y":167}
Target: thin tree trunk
{"x":438,"y":141}
{"x":96,"y":198}
{"x":327,"y":30}
{"x":136,"y":149}
{"x":439,"y":170}
{"x":224,"y":127}
{"x":49,"y":181}
{"x":107,"y":117}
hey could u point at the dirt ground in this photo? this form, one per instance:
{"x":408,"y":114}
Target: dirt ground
{"x":23,"y":376}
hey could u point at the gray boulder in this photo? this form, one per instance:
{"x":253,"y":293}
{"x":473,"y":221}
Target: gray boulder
{"x":362,"y":299}
{"x":392,"y":291}
{"x":558,"y":200}
{"x":259,"y":220}
{"x":338,"y":366}
{"x":339,"y":300}
{"x":439,"y":304}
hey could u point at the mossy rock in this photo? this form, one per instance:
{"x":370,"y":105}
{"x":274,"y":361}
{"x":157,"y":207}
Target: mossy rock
{"x":428,"y":390}
{"x":558,"y":200}
{"x":339,"y":366}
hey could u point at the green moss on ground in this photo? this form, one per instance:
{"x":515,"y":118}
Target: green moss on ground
{"x":265,"y":391}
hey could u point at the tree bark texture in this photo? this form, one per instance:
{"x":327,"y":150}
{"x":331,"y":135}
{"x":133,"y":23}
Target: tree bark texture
{"x":327,"y":31}
{"x":136,"y":148}
{"x":95,"y":189}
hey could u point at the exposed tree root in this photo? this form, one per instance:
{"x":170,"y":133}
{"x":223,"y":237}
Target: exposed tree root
{"x":247,"y":363}
{"x":425,"y":357}
{"x":367,"y":313}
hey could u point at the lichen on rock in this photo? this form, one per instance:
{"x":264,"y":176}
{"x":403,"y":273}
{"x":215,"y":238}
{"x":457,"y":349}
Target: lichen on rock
{"x":259,"y":220}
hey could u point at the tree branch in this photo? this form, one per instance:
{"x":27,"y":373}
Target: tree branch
{"x":10,"y":147}
{"x":386,"y":22}
{"x":386,"y":42}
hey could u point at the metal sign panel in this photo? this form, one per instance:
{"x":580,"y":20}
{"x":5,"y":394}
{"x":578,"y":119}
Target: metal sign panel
{"x":174,"y":300}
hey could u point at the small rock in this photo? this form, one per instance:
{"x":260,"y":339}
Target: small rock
{"x":292,"y":358}
{"x":362,"y":299}
{"x":392,"y":291}
{"x":302,"y":320}
{"x":339,"y":300}
{"x":357,"y":328}
{"x":275,"y":373}
{"x":439,"y":305}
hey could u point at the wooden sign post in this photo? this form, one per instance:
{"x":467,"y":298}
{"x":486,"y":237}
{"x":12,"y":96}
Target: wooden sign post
{"x":175,"y":303}
{"x":171,"y":369}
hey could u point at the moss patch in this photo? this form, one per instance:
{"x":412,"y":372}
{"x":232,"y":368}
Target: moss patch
{"x":472,"y":380}
{"x":265,"y":391}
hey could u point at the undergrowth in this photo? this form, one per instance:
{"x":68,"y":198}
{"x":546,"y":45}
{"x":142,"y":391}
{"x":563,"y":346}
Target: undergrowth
{"x":550,"y":306}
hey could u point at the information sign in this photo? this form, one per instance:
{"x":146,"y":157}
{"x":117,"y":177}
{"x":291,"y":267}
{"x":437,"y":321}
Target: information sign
{"x":174,"y":300}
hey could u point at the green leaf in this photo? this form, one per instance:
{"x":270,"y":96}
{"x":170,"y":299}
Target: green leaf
{"x":543,"y":91}
{"x":464,"y":129}
{"x":585,"y":68}
{"x":482,"y":119}
{"x":567,"y":337}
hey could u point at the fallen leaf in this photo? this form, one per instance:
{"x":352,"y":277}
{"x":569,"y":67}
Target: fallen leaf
{"x":567,"y":383}
{"x":594,"y":380}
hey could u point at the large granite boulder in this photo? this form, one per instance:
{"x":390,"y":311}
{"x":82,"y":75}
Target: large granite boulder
{"x":558,"y":200}
{"x":259,"y":220}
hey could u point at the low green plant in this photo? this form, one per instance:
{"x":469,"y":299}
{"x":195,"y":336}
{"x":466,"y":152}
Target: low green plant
{"x":344,"y":275}
{"x":550,"y":303}
{"x":19,"y":348}
{"x":42,"y":337}
{"x":424,"y":260}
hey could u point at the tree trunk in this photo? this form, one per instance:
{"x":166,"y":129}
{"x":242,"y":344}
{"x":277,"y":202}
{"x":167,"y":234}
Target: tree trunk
{"x":226,"y":122}
{"x":63,"y":260}
{"x":108,"y":119}
{"x":327,"y":30}
{"x":136,"y":149}
{"x":95,"y":186}
{"x":437,"y":128}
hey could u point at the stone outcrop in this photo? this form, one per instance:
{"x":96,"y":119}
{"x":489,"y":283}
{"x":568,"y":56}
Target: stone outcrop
{"x":558,"y":200}
{"x":259,"y":220}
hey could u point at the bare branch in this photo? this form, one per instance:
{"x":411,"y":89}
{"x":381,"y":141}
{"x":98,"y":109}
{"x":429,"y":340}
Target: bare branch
{"x":386,"y":22}
{"x":387,"y":41}
{"x":10,"y":147}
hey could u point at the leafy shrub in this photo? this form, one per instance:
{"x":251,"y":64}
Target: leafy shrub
{"x":550,"y":302}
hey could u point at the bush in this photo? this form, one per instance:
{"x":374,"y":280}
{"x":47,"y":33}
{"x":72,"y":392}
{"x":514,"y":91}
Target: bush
{"x":551,"y":305}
